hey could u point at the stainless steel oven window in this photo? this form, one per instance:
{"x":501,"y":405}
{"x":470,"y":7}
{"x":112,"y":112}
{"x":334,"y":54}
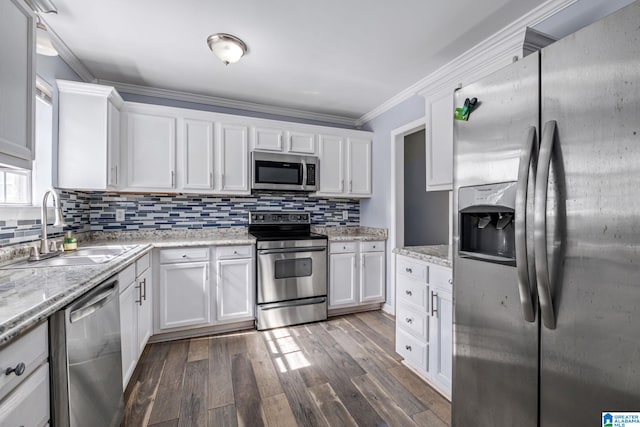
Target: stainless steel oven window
{"x":288,"y":268}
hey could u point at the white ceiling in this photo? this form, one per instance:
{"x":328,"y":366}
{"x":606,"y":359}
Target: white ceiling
{"x":335,"y":57}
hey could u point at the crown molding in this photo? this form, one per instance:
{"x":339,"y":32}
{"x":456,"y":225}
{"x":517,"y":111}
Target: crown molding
{"x":68,"y":56}
{"x":229,"y":103}
{"x":482,"y":57}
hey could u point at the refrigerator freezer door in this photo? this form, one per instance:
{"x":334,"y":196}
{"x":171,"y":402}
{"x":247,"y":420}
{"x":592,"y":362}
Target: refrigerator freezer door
{"x":590,"y":362}
{"x":495,"y":378}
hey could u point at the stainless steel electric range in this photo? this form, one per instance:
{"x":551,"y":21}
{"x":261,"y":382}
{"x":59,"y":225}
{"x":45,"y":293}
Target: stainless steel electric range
{"x":291,"y":269}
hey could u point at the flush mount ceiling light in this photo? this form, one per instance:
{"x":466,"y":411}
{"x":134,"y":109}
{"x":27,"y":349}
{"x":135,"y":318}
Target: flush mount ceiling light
{"x":227,"y":47}
{"x":43,"y":40}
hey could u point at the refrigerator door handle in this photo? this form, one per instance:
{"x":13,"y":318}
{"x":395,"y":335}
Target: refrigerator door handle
{"x":524,"y":282}
{"x":540,"y":225}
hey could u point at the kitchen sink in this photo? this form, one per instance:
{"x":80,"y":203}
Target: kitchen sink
{"x":82,"y":256}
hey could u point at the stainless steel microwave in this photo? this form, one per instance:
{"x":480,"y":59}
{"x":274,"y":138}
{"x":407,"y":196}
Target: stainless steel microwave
{"x":283,"y":172}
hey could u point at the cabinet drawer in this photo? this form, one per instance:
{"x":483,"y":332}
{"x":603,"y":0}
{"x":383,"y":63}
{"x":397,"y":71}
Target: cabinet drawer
{"x":142,"y":264}
{"x":440,"y":276}
{"x":413,"y":321}
{"x":416,"y":270}
{"x":31,"y":349}
{"x":171,"y":256}
{"x":413,"y":351}
{"x":230,"y":252}
{"x":28,"y":405}
{"x":343,"y":247}
{"x":412,"y":291}
{"x":372,"y":246}
{"x":126,"y":277}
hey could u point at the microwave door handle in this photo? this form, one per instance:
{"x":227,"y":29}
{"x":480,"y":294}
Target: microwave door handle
{"x":304,"y":174}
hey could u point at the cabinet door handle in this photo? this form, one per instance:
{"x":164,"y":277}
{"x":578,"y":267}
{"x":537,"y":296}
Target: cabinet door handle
{"x":363,"y":260}
{"x":434,"y":297}
{"x":211,"y":179}
{"x":144,"y":288}
{"x":18,"y":370}
{"x":139,"y":288}
{"x":408,"y":320}
{"x":408,"y":293}
{"x":408,"y":270}
{"x":173,"y":179}
{"x":115,"y":176}
{"x":450,"y":281}
{"x":350,"y":186}
{"x":222,"y":180}
{"x":407,"y":347}
{"x":342,"y":185}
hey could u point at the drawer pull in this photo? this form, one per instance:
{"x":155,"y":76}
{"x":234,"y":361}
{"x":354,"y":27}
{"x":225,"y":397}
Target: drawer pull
{"x":18,"y":370}
{"x":408,"y":293}
{"x":344,"y":247}
{"x":184,"y":255}
{"x":407,"y":347}
{"x":434,"y":301}
{"x":374,"y":246}
{"x":408,"y":320}
{"x":408,"y":270}
{"x":450,"y":281}
{"x":235,"y":252}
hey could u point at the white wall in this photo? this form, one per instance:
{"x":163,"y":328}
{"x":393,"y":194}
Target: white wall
{"x":376,"y":212}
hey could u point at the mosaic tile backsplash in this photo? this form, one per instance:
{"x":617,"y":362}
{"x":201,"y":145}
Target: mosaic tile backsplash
{"x":96,"y":211}
{"x":75,"y":206}
{"x":157,"y":211}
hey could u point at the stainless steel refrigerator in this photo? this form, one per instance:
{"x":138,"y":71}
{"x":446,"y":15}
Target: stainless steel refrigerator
{"x":547,"y":235}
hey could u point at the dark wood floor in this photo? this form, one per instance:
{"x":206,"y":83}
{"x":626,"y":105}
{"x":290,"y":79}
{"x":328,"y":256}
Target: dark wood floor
{"x":343,"y":372}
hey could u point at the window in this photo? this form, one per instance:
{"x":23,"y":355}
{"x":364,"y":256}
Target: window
{"x":15,"y":187}
{"x":23,"y":187}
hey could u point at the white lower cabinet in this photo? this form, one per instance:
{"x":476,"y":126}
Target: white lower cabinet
{"x":204,"y":286}
{"x":24,"y":384}
{"x":184,"y":294}
{"x":424,"y":319}
{"x":357,"y":273}
{"x":235,"y":300}
{"x":135,"y":313}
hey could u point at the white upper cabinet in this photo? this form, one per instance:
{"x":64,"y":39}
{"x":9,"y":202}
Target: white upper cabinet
{"x":331,"y":153}
{"x":439,"y":142}
{"x":359,"y":166}
{"x":283,"y":140}
{"x":301,"y":142}
{"x":151,"y":141}
{"x":233,"y":146}
{"x":88,"y":136}
{"x":17,"y":84}
{"x":345,"y":166}
{"x":108,"y":144}
{"x":197,"y":155}
{"x":266,"y":139}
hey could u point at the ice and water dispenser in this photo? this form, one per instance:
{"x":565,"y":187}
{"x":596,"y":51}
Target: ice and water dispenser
{"x":486,"y":222}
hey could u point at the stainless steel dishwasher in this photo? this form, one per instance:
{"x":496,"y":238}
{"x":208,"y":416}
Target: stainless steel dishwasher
{"x":85,"y":360}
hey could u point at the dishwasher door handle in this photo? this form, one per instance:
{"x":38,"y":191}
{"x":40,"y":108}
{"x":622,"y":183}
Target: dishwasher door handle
{"x":94,"y":303}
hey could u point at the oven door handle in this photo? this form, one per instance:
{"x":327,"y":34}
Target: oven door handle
{"x":289,"y":250}
{"x":311,"y":301}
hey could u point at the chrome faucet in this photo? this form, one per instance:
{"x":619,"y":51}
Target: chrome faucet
{"x":59,"y":220}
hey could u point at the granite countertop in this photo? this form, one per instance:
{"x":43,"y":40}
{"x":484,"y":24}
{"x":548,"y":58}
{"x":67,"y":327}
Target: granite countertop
{"x":30,"y":295}
{"x":436,"y":254}
{"x":337,"y":234}
{"x":176,"y":239}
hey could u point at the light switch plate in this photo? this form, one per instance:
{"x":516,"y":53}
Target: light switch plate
{"x":345,"y":214}
{"x":120,"y":215}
